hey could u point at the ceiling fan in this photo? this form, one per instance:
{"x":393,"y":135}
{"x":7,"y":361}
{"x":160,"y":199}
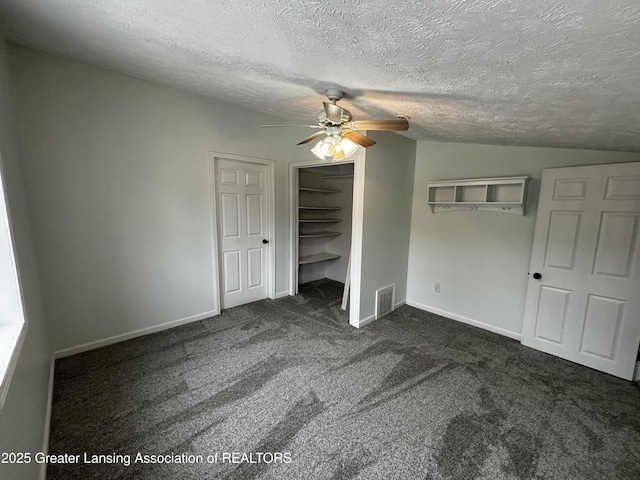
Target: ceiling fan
{"x":342,"y":135}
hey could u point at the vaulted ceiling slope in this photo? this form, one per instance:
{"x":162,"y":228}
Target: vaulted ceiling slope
{"x":555,"y":73}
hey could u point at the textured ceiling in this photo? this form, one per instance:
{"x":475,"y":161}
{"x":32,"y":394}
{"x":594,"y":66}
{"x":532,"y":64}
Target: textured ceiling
{"x":558,"y":73}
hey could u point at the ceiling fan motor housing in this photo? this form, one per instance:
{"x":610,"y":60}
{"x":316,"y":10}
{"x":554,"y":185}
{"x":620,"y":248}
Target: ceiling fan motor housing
{"x":323,"y":120}
{"x":334,"y":94}
{"x":329,"y":116}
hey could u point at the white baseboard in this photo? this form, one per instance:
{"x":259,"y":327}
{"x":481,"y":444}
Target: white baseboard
{"x":66,"y":352}
{"x":282,"y":294}
{"x":468,"y":321}
{"x":368,"y":320}
{"x":362,"y":322}
{"x":47,"y":419}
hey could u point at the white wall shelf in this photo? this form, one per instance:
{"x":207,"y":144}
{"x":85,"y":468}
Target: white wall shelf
{"x":318,"y":257}
{"x":320,"y":208}
{"x":319,"y":220}
{"x":504,"y":194}
{"x":317,"y":191}
{"x":336,"y":177}
{"x":324,"y":233}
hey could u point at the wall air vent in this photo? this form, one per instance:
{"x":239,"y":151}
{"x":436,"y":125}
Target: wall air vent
{"x":385,"y":300}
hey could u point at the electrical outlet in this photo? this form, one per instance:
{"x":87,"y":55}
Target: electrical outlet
{"x":436,"y":287}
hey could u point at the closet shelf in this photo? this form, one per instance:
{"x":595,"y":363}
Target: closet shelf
{"x":317,"y":257}
{"x":325,"y":233}
{"x":337,"y":177}
{"x":319,"y":220}
{"x":320,"y":208}
{"x":317,"y":191}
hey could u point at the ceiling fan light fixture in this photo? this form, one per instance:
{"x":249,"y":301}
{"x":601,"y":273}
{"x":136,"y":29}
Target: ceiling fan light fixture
{"x":339,"y":155}
{"x":316,"y":150}
{"x":348,"y":147}
{"x":336,"y":147}
{"x":328,"y":147}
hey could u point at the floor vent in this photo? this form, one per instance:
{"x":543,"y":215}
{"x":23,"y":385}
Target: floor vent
{"x":385,"y":300}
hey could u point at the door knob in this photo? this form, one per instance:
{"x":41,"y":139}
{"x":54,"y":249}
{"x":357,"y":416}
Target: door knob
{"x":537,"y":276}
{"x":264,"y":240}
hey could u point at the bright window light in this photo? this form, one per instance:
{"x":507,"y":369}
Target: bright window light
{"x":11,"y":314}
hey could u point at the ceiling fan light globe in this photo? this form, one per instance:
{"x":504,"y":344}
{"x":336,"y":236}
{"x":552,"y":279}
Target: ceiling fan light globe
{"x":316,"y":150}
{"x":339,"y":155}
{"x":348,"y":147}
{"x":327,"y":148}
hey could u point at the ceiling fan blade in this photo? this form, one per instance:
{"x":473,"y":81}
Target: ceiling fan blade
{"x":399,"y":125}
{"x":358,"y":138}
{"x":310,"y":137}
{"x":307,"y":126}
{"x":334,"y":112}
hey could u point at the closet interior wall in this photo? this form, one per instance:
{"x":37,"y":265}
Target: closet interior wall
{"x":331,"y":187}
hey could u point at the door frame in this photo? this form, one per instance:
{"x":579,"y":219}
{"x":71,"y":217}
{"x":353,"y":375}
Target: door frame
{"x":215,"y":230}
{"x":358,"y":161}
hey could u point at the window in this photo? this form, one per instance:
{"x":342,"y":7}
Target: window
{"x":12,"y":324}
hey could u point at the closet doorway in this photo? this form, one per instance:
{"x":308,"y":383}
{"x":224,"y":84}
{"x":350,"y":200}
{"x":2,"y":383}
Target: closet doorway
{"x":326,"y":226}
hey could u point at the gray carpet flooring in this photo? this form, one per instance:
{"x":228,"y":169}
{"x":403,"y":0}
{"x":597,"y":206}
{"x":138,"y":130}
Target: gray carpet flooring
{"x":289,"y":384}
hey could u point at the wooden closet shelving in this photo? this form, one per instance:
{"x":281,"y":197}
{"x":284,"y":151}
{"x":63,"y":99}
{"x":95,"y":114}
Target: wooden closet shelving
{"x":316,"y":214}
{"x":324,"y":233}
{"x":318,"y":257}
{"x":317,"y":191}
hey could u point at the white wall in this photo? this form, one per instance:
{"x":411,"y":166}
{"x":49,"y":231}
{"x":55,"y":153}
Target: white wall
{"x":117,"y":176}
{"x":22,"y":419}
{"x":389,"y":168}
{"x":117,"y":173}
{"x":481,"y":259}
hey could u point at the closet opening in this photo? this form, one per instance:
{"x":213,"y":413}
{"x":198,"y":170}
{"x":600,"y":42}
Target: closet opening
{"x":323,"y":223}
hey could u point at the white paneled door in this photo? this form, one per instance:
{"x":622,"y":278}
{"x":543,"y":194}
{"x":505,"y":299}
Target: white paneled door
{"x":242,"y":210}
{"x":583,"y":298}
